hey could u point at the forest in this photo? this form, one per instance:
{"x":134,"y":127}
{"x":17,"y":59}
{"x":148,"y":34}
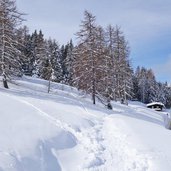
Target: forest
{"x":98,"y":63}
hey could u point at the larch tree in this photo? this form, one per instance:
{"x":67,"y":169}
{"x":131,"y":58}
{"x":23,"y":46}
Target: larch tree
{"x":110,"y":38}
{"x":102,"y":71}
{"x":10,"y":18}
{"x":21,"y":38}
{"x":85,"y":66}
{"x":126,"y":72}
{"x":101,"y":64}
{"x":120,"y":63}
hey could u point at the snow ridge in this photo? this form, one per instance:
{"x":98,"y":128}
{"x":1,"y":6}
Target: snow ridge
{"x":62,"y":131}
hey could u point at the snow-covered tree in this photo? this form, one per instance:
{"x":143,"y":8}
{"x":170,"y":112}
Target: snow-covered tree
{"x":145,"y":85}
{"x":24,"y":40}
{"x":68,"y":62}
{"x":122,"y":71}
{"x":167,"y":95}
{"x":10,"y":18}
{"x":111,"y":61}
{"x":40,"y":53}
{"x":103,"y":80}
{"x":54,"y":56}
{"x":101,"y":65}
{"x":85,"y":64}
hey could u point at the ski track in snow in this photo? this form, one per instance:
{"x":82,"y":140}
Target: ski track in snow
{"x":128,"y":158}
{"x":92,"y":140}
{"x":102,"y":142}
{"x":87,"y":138}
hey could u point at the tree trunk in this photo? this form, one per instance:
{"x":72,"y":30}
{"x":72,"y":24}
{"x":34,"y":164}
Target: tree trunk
{"x":94,"y":93}
{"x":5,"y":82}
{"x":49,"y":86}
{"x":94,"y":98}
{"x":94,"y":86}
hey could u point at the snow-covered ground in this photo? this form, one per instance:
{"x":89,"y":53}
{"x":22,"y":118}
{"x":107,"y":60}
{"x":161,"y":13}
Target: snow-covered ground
{"x":64,"y":131}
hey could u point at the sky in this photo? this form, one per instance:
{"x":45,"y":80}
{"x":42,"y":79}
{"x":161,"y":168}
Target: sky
{"x":146,"y":25}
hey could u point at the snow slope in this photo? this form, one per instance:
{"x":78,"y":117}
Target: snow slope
{"x":63,"y":131}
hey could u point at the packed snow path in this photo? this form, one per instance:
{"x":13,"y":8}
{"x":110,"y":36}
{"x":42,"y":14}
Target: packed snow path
{"x":63,"y":131}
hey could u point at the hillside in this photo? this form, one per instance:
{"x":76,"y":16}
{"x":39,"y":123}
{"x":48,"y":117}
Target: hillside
{"x":64,"y":131}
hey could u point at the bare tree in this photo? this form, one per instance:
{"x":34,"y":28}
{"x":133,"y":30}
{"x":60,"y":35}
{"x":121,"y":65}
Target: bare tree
{"x":110,"y":38}
{"x":9,"y":58}
{"x":123,"y":69}
{"x":85,"y":56}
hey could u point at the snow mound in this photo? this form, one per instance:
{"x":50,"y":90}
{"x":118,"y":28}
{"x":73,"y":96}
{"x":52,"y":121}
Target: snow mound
{"x":63,"y":130}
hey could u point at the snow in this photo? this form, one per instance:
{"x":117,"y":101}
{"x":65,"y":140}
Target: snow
{"x":155,"y":103}
{"x":63,"y":131}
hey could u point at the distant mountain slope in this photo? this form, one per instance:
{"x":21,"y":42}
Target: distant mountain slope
{"x":63,"y":130}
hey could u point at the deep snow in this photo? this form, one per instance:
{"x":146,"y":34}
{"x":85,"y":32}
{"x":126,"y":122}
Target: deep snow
{"x":63,"y":130}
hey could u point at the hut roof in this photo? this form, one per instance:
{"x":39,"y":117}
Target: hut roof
{"x":155,"y":103}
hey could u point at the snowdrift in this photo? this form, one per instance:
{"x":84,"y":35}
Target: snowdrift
{"x":63,"y":131}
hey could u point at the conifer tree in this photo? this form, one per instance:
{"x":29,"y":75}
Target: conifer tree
{"x":41,"y":57}
{"x":69,"y":64}
{"x":63,"y":56}
{"x":28,"y":65}
{"x":54,"y":56}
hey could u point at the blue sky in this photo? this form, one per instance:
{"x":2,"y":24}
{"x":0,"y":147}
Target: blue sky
{"x":145,"y":23}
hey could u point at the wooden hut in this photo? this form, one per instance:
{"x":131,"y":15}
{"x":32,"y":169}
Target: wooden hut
{"x":158,"y":106}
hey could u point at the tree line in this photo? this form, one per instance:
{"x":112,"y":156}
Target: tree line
{"x":99,"y":63}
